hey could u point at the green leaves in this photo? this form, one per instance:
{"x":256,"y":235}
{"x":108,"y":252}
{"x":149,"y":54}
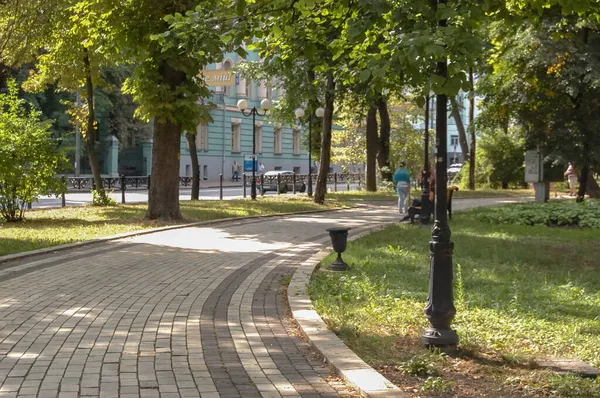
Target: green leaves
{"x":435,"y":50}
{"x":29,"y":157}
{"x":445,"y":12}
{"x":365,"y":75}
{"x":563,"y":214}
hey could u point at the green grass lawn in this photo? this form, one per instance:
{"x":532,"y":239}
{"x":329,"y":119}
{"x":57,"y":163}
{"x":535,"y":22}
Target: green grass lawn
{"x":44,"y":228}
{"x":462,"y":194}
{"x":492,"y":193}
{"x":520,"y":292}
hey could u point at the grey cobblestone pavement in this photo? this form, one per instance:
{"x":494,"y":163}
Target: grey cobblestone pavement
{"x":191,"y":312}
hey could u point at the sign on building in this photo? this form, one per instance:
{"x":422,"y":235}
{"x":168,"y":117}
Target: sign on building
{"x":218,"y":77}
{"x":248,"y":164}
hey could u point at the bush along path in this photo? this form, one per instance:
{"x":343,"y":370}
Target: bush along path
{"x":522,"y":292}
{"x":554,"y":214}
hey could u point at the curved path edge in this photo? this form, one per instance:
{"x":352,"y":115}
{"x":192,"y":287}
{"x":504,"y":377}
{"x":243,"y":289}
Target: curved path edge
{"x":342,"y":359}
{"x":52,"y":249}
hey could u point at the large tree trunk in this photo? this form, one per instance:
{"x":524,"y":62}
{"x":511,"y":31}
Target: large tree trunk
{"x":325,"y":155}
{"x":163,"y":199}
{"x":383,"y":157}
{"x":472,"y":158}
{"x":191,"y":139}
{"x":372,"y":147}
{"x":90,"y":135}
{"x":462,"y":135}
{"x":592,"y":187}
{"x":583,"y":180}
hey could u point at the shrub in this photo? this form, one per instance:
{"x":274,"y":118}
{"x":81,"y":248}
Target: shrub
{"x":499,"y":159}
{"x":561,"y":213}
{"x":102,"y":199}
{"x":29,"y":156}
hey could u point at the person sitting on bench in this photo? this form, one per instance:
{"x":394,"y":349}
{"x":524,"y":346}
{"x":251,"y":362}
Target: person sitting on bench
{"x":415,"y":208}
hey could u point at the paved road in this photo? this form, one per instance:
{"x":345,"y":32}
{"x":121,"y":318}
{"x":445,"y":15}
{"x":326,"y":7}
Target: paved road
{"x":181,"y":313}
{"x":139,"y":196}
{"x":192,"y":312}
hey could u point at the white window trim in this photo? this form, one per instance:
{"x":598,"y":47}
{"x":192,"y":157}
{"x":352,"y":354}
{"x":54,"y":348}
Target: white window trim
{"x":236,"y":135}
{"x":241,"y":88}
{"x":278,"y":141}
{"x":202,"y":137}
{"x":258,"y":129}
{"x":262,"y":89}
{"x":198,"y":138}
{"x":296,"y":142}
{"x":249,"y":89}
{"x":227,"y":90}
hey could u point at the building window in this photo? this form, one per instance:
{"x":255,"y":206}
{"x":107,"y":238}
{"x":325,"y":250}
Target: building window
{"x":205,"y":172}
{"x":249,"y":88}
{"x":188,"y":170}
{"x":241,"y":88}
{"x":218,"y":66}
{"x":258,"y":138}
{"x":277,"y":168}
{"x":277,"y":144}
{"x":262,"y":89}
{"x":202,"y":137}
{"x":235,"y":137}
{"x":296,"y":142}
{"x":453,"y":140}
{"x":297,"y":169}
{"x":227,"y":89}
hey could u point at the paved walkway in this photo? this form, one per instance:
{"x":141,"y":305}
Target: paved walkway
{"x":192,"y":312}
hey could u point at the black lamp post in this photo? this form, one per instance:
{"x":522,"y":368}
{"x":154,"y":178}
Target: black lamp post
{"x":425,"y":204}
{"x":319,"y":112}
{"x":243,"y":106}
{"x":440,"y":309}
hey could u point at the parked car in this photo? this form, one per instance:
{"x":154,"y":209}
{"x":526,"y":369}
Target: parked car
{"x":129,"y":171}
{"x":454,"y":169}
{"x":270,"y":182}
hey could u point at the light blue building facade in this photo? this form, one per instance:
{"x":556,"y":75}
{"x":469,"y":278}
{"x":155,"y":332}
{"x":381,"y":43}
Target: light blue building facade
{"x":228,"y":138}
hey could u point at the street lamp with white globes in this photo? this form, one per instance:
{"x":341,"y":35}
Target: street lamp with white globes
{"x":319,"y":112}
{"x":265,"y":105}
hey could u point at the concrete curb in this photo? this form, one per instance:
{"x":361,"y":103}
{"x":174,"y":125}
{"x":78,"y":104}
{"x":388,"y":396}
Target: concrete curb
{"x":52,"y":249}
{"x":344,"y":361}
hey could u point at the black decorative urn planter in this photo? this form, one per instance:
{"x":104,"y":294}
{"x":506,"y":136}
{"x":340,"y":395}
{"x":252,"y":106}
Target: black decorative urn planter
{"x":339,"y":237}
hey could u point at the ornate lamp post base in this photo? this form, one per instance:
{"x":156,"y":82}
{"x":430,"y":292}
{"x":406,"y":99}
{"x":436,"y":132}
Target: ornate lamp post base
{"x":440,"y":308}
{"x":439,"y":337}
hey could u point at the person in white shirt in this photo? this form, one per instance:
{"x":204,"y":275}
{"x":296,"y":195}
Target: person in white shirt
{"x":572,"y":177}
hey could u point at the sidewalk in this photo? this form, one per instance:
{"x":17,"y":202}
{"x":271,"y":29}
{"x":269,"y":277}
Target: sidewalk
{"x":192,"y":312}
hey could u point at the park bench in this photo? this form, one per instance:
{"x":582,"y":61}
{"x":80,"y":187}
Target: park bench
{"x":414,"y":210}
